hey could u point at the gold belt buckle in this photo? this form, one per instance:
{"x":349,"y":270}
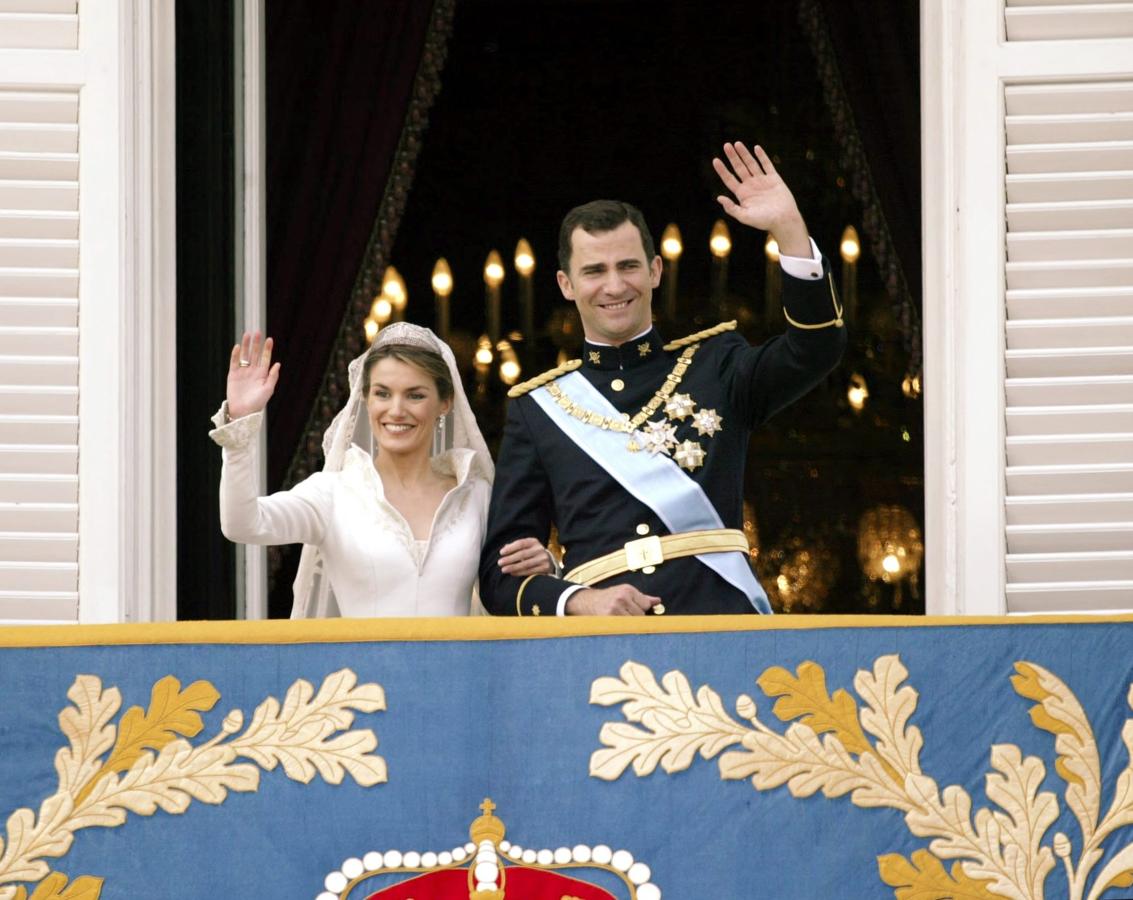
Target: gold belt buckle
{"x":644,"y":552}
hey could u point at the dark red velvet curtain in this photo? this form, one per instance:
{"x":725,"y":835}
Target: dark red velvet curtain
{"x":341,"y":80}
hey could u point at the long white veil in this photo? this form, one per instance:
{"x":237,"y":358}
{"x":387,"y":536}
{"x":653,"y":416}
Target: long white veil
{"x":313,"y":596}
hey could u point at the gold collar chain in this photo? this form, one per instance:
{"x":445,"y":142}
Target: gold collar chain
{"x":624,"y":423}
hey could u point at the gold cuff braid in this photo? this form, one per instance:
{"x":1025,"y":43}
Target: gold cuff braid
{"x":836,"y":322}
{"x":519,"y":595}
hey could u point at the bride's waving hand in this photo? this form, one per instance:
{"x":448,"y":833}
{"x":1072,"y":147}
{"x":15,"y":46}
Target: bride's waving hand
{"x":251,"y":376}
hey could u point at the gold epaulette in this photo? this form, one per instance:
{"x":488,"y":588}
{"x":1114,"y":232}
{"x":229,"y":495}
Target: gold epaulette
{"x":543,"y":377}
{"x":701,"y":335}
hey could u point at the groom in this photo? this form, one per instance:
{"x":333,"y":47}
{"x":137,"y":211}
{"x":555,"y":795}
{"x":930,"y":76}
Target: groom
{"x":636,"y":453}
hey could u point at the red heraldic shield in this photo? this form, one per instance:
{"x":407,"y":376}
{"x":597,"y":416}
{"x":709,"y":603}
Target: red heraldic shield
{"x":521,"y":884}
{"x":537,"y":884}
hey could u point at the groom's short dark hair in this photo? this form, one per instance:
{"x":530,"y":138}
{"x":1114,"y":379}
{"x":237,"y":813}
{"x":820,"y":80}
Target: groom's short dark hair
{"x":598,"y":217}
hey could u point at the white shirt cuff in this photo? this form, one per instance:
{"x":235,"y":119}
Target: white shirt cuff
{"x":797,"y":267}
{"x":555,"y":564}
{"x":560,"y":608}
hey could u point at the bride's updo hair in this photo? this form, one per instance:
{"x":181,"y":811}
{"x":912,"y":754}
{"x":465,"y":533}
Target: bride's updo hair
{"x":428,"y":361}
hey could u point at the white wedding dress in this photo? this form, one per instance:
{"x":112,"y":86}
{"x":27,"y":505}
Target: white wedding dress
{"x":375,"y":566}
{"x":359,"y":556}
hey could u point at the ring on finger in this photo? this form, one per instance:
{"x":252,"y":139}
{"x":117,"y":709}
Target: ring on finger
{"x":244,"y":363}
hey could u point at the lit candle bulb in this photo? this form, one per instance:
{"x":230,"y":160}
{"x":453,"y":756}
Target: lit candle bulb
{"x":720,"y":244}
{"x":442,"y":289}
{"x":772,"y":285}
{"x":671,"y":248}
{"x":393,"y":289}
{"x":493,"y":278}
{"x":382,"y":309}
{"x":509,"y":363}
{"x":482,"y":363}
{"x":858,"y":392}
{"x":720,"y":241}
{"x":850,"y":249}
{"x":525,"y":266}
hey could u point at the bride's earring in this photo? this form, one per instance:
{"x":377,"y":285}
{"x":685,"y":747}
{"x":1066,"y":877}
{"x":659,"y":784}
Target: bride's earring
{"x":439,"y":437}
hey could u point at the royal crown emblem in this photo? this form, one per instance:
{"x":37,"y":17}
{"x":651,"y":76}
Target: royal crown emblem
{"x":488,"y":867}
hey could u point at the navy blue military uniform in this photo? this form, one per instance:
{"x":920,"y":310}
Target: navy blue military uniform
{"x":543,"y":477}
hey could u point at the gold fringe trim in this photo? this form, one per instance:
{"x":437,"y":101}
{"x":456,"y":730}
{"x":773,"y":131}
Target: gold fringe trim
{"x":701,"y":335}
{"x":283,"y":632}
{"x":542,"y":378}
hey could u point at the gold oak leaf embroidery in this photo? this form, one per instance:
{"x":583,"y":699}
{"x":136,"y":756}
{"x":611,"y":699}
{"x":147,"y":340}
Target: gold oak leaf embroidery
{"x":308,"y":733}
{"x":1125,"y":879}
{"x":55,"y":887}
{"x":1058,"y":712}
{"x":677,"y":723}
{"x":998,"y":851}
{"x":172,"y":713}
{"x":803,"y":696}
{"x":924,"y":878}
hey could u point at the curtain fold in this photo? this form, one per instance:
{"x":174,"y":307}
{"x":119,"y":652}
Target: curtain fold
{"x":349,"y":86}
{"x":868,"y":58}
{"x":349,"y":90}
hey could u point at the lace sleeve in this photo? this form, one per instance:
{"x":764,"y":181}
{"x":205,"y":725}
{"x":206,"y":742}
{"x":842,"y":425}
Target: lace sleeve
{"x":237,"y":433}
{"x":286,"y":517}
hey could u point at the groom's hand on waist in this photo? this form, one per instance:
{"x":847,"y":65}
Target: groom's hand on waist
{"x":619,"y":600}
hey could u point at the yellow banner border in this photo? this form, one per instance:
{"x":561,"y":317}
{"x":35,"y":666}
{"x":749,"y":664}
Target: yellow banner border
{"x":350,"y":631}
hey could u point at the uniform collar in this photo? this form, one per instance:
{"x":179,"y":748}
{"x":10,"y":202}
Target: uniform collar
{"x":635,"y":352}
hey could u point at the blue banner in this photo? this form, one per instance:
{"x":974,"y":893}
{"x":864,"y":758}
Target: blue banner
{"x":790,"y":757}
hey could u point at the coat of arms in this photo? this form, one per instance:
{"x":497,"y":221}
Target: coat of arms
{"x":488,"y":867}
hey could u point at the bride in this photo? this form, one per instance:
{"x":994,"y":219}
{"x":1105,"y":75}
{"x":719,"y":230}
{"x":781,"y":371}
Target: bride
{"x":391,"y":530}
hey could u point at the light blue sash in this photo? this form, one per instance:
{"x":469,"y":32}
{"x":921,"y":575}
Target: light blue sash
{"x":655,"y":480}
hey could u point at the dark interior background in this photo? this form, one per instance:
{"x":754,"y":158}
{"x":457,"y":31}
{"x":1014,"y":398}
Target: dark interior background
{"x":545,"y":105}
{"x":206,"y":575}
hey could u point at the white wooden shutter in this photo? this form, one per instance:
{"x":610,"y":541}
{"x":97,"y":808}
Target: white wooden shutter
{"x":1059,"y":20}
{"x":1069,"y":361}
{"x":87,"y":311}
{"x":1027,"y":193}
{"x":39,"y":365}
{"x":39,"y":24}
